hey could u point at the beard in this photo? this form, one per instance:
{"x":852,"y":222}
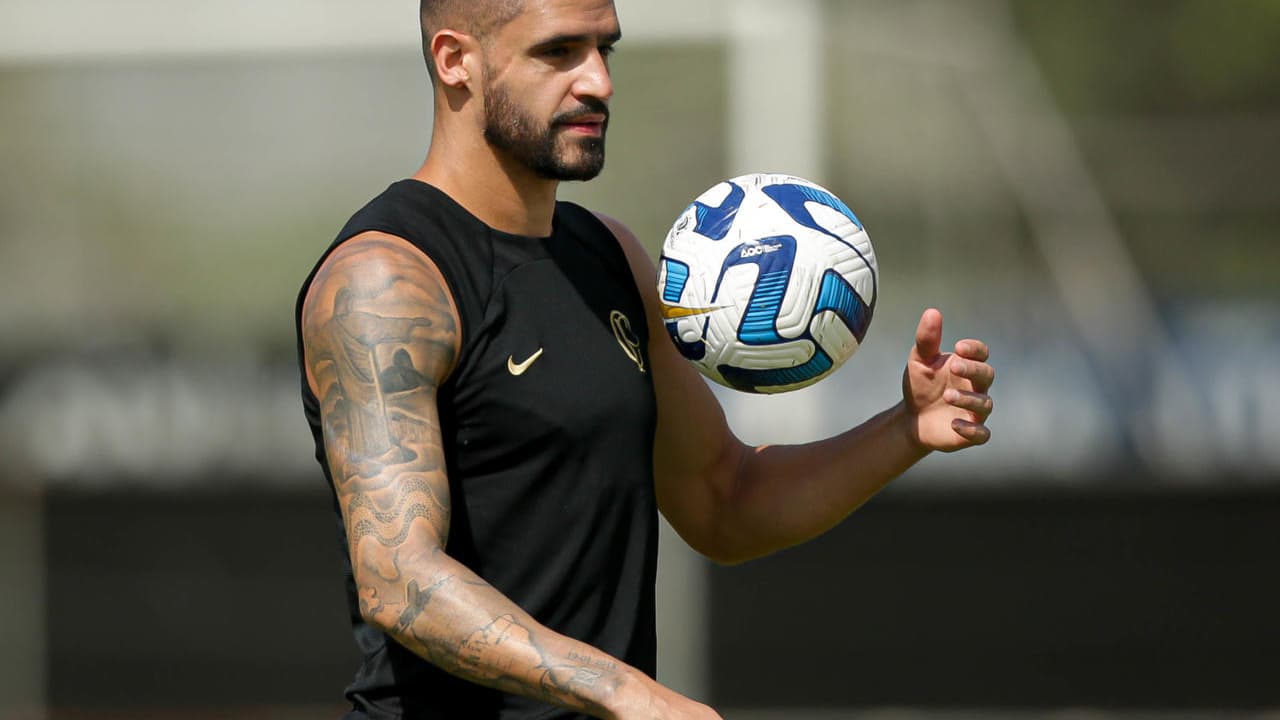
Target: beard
{"x":542,"y":149}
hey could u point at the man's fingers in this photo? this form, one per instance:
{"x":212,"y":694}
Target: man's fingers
{"x":973,"y":350}
{"x":973,"y":432}
{"x":980,"y":404}
{"x":929,"y":335}
{"x":979,"y":373}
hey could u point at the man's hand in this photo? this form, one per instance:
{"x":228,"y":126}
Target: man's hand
{"x":946,"y":393}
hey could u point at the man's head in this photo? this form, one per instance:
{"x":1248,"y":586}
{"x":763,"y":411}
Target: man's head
{"x":539,"y":70}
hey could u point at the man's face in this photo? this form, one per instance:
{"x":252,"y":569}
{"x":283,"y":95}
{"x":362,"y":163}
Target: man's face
{"x":547,"y":87}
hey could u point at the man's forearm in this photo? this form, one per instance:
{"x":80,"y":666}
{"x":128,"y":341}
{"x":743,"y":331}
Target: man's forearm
{"x":786,"y":494}
{"x":465,"y":626}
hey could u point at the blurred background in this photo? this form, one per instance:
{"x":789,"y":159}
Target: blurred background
{"x":1090,"y":186}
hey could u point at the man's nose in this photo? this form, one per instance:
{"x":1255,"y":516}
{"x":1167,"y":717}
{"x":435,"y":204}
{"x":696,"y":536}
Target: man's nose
{"x":594,"y":80}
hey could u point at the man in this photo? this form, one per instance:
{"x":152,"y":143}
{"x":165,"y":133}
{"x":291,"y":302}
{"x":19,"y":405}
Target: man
{"x":501,"y":415}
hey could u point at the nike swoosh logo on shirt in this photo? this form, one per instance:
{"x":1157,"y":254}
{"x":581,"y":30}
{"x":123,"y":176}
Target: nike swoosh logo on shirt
{"x":518,"y":368}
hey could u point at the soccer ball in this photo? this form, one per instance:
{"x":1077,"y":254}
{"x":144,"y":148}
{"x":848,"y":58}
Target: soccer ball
{"x":767,"y":282}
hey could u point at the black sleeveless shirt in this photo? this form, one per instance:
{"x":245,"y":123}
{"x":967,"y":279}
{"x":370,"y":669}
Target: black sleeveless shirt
{"x":550,"y":469}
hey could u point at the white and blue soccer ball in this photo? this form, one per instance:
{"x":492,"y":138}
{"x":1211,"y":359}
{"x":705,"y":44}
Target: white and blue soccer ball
{"x":767,"y":282}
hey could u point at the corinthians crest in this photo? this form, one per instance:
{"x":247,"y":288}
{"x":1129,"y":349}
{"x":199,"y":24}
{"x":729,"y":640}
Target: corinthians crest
{"x":627,"y":338}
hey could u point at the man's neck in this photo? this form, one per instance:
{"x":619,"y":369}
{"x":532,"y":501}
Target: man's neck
{"x":502,"y":194}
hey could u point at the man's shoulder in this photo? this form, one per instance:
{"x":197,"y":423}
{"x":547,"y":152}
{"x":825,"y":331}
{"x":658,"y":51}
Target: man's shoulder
{"x":627,"y":240}
{"x":402,"y":208}
{"x":593,"y":219}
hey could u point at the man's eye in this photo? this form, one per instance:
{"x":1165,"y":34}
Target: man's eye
{"x":607,"y":50}
{"x":556,"y":52}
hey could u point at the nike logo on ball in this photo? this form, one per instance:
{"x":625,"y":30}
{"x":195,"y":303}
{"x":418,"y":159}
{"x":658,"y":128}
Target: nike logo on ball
{"x":518,"y":368}
{"x":675,"y":312}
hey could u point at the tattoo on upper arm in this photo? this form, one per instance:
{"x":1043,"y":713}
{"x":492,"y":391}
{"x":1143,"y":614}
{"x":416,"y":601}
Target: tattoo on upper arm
{"x":380,"y":336}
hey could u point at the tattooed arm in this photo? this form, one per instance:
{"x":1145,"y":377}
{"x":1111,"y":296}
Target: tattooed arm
{"x":380,"y":334}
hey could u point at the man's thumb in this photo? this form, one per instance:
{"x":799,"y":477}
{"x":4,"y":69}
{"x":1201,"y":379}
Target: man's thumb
{"x":929,"y":334}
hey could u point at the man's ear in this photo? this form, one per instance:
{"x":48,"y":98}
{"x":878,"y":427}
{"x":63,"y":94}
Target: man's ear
{"x":452,"y":53}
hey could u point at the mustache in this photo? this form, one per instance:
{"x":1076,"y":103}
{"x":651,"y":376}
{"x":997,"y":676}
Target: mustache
{"x":590,"y":106}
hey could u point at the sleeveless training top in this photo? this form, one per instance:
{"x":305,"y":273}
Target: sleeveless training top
{"x":550,"y":470}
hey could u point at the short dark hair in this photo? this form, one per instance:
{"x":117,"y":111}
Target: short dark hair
{"x":478,"y":18}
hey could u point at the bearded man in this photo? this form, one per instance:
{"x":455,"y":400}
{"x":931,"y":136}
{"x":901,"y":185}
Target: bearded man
{"x":499,"y":507}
